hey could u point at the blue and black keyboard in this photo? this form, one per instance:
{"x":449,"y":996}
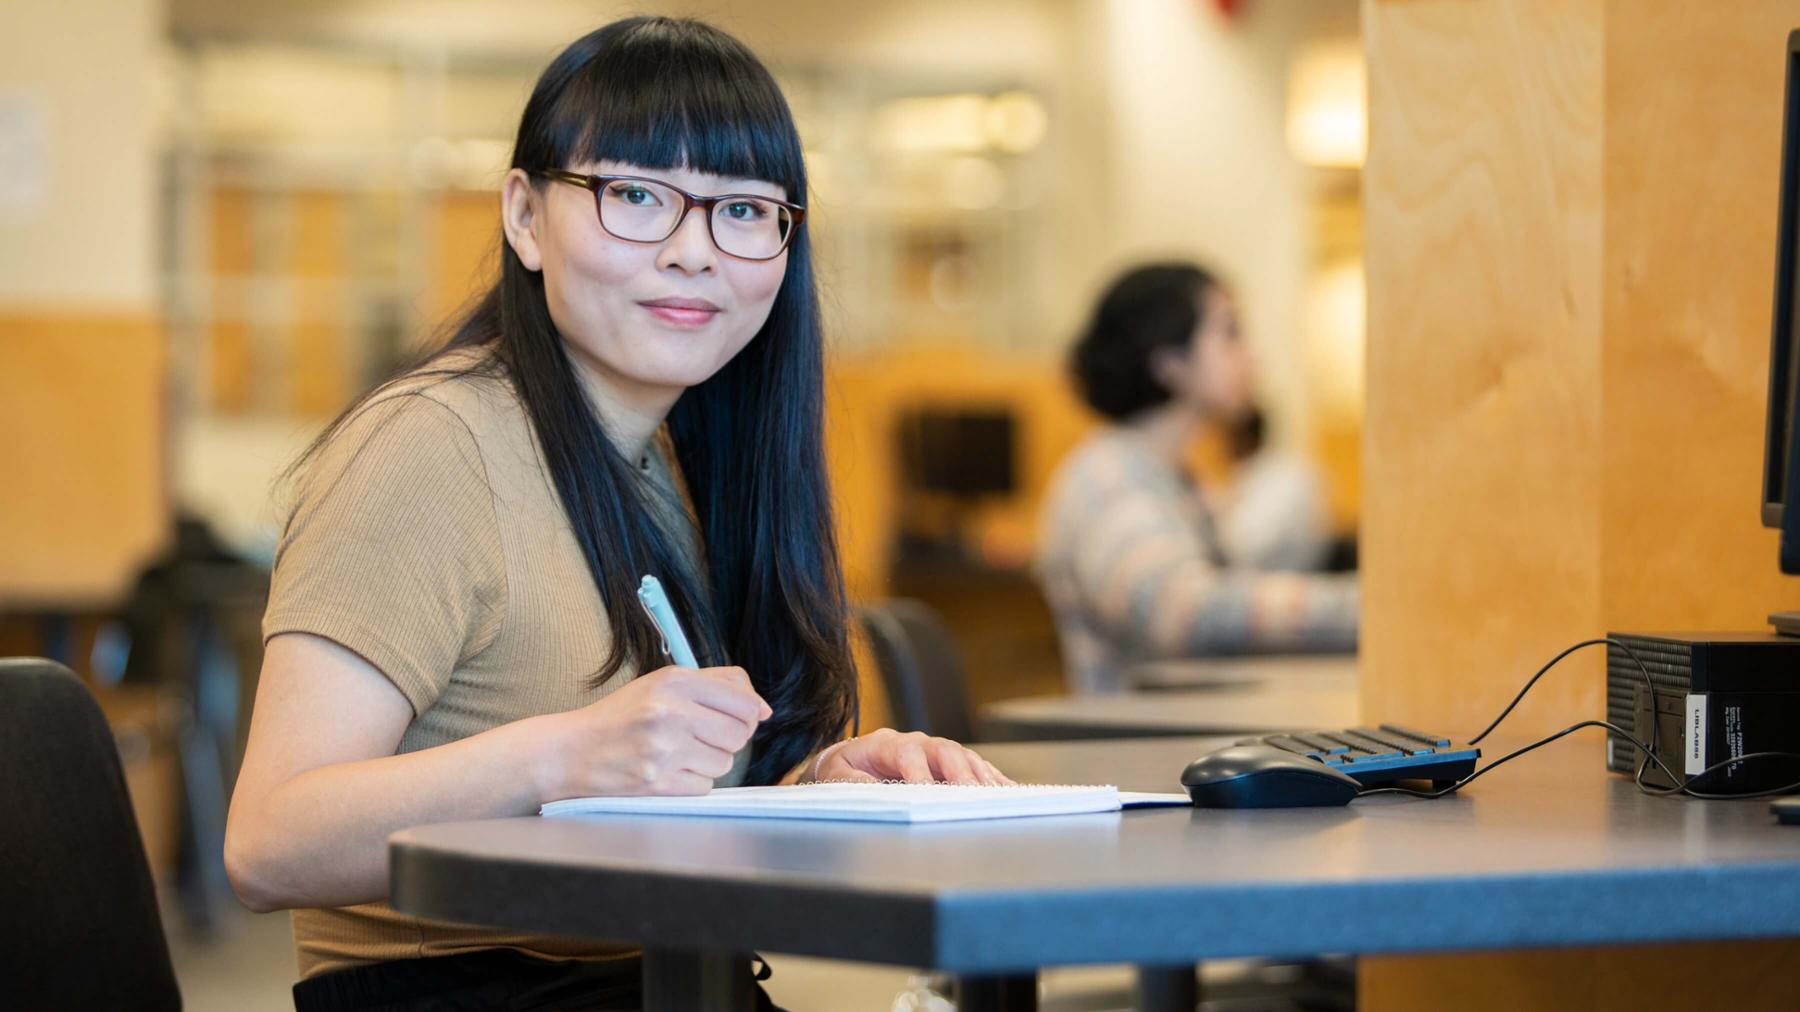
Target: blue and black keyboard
{"x":1382,"y":754}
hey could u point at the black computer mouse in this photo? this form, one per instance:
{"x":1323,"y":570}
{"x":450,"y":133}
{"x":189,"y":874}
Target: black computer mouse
{"x":1263,"y":776}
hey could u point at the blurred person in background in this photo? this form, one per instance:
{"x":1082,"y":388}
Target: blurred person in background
{"x":453,"y":632}
{"x":1271,"y":513}
{"x":1128,"y":556}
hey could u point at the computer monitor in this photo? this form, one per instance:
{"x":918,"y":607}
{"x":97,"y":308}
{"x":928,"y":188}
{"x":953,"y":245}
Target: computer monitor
{"x":1781,"y":469}
{"x":965,"y":453}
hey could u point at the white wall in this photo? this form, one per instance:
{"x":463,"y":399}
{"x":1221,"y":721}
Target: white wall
{"x":1168,"y":117}
{"x":88,"y":68}
{"x":1167,"y":137}
{"x":1199,"y":161}
{"x":925,"y":35}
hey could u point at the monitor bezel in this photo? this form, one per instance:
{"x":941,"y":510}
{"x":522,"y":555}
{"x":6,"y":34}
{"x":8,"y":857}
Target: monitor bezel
{"x":1779,"y":440}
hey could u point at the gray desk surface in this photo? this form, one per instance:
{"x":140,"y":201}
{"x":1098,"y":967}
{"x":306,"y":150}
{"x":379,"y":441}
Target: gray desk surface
{"x":1551,"y":850}
{"x":1317,"y":698}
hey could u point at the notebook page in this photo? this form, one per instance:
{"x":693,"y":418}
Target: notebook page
{"x":860,"y":802}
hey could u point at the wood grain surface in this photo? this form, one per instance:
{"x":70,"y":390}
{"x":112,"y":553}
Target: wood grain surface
{"x":1571,"y":253}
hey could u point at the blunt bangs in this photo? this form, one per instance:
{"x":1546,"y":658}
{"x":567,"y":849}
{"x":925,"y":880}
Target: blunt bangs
{"x":667,"y":94}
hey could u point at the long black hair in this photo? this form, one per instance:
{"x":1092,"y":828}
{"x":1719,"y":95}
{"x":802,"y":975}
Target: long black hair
{"x":665,"y":93}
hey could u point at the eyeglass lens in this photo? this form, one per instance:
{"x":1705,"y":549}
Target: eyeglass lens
{"x":743,"y":226}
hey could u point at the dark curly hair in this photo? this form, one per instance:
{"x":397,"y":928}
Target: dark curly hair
{"x":1148,"y":307}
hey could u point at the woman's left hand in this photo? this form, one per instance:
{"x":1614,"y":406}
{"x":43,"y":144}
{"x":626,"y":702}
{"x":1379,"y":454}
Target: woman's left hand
{"x":914,"y":757}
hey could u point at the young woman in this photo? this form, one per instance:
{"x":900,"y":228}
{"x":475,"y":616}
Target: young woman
{"x":453,"y":631}
{"x":1127,"y":555}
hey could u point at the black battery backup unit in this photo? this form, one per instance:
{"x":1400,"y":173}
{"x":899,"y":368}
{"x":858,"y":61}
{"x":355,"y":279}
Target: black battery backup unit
{"x":1718,"y":696}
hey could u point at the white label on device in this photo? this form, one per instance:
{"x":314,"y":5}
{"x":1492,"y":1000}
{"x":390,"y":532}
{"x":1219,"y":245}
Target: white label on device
{"x":1695,"y":760}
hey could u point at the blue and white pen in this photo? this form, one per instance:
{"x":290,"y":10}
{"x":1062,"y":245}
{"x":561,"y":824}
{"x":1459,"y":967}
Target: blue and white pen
{"x":656,"y":605}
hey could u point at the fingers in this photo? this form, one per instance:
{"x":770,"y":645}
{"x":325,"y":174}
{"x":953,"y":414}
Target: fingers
{"x":704,"y":760}
{"x":726,"y":690}
{"x":682,"y":782}
{"x":719,"y":730}
{"x":951,"y":761}
{"x":960,"y":765}
{"x":984,"y":771}
{"x":997,"y":776}
{"x":739,"y":679}
{"x":910,"y":760}
{"x":673,"y":751}
{"x":915,"y":758}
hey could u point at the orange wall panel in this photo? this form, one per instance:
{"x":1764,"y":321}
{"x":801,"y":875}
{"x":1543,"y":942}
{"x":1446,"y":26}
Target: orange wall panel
{"x":81,"y":406}
{"x":319,"y":242}
{"x":319,"y":382}
{"x":465,"y":241}
{"x":229,"y":238}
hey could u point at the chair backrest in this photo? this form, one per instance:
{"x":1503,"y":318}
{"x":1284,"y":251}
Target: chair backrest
{"x":920,"y":668}
{"x":79,"y":926}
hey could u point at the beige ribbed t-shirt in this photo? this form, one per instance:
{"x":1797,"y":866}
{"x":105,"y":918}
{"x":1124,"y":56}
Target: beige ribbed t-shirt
{"x":427,"y":537}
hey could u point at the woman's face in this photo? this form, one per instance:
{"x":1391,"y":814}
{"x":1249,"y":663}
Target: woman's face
{"x":1214,"y":375}
{"x":648,"y":319}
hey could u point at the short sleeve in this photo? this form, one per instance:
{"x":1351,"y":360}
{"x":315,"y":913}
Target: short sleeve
{"x":392,"y":548}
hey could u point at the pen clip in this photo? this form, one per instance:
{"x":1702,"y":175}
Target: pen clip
{"x":654,"y":624}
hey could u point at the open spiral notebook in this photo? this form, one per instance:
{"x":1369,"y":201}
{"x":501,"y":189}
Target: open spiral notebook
{"x":845,"y":801}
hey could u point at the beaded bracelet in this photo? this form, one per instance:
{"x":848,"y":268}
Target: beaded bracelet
{"x":825,"y":753}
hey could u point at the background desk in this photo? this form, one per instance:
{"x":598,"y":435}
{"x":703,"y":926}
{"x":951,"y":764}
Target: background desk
{"x":1288,"y":669}
{"x":1309,"y":697}
{"x":1550,"y":851}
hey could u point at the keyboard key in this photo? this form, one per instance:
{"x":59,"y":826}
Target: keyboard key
{"x":1319,"y":743}
{"x":1379,"y":755}
{"x":1391,"y":740}
{"x":1429,"y":739}
{"x":1337,"y":737}
{"x":1376,"y":749}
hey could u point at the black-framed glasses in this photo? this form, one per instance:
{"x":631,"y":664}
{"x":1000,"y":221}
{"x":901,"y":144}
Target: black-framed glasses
{"x":748,"y":226}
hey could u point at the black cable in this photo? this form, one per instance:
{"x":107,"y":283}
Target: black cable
{"x":1554,"y":661}
{"x":1688,"y":787}
{"x":1457,"y":786}
{"x":1649,"y":686}
{"x":1628,"y":736}
{"x":1649,"y":751}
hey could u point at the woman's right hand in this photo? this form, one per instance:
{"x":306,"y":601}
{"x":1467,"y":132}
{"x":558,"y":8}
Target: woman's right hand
{"x":671,"y":731}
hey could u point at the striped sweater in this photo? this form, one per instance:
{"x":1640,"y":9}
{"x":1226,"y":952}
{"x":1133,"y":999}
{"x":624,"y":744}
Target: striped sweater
{"x":1132,"y":571}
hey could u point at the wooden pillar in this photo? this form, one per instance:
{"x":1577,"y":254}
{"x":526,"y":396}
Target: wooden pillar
{"x":1570,"y":246}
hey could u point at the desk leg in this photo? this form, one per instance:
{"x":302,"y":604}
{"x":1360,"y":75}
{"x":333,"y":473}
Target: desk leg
{"x":1168,"y":988}
{"x":1017,"y":993}
{"x":679,"y":980}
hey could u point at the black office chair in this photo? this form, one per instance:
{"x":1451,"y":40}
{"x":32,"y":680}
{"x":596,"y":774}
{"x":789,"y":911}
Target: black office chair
{"x":920,"y":668}
{"x":79,"y":927}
